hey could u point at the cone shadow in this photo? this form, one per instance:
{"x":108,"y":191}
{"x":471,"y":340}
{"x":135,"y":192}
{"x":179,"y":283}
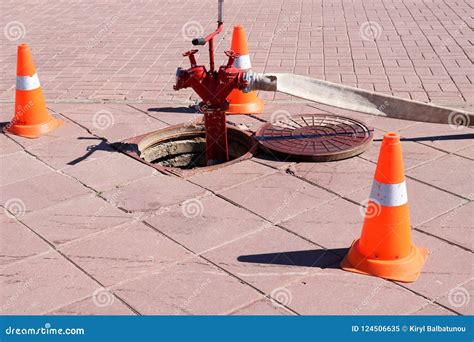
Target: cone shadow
{"x":320,"y":258}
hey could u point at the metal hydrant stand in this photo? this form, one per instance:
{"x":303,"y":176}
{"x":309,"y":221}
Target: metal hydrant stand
{"x":213,"y":87}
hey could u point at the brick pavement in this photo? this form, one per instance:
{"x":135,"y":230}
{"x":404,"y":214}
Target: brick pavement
{"x":98,"y":233}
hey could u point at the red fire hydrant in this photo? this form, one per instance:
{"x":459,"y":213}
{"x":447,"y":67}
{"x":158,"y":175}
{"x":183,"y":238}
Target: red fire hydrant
{"x":213,"y":87}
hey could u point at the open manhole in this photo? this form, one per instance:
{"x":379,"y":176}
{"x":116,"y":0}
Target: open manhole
{"x":315,"y":137}
{"x":181,"y":149}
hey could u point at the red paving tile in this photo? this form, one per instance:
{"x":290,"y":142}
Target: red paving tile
{"x":242,"y":172}
{"x":111,"y":78}
{"x":103,"y":303}
{"x":414,"y":154}
{"x":18,"y":242}
{"x":459,"y":298}
{"x":263,"y":307}
{"x":342,"y":177}
{"x":73,"y":219}
{"x":153,"y":193}
{"x":124,"y":253}
{"x":116,"y":169}
{"x":65,"y":152}
{"x":454,"y":226}
{"x":334,"y":225}
{"x":432,"y":309}
{"x":451,"y":173}
{"x":37,"y":285}
{"x":41,"y":191}
{"x":189,"y":287}
{"x":20,"y":166}
{"x":206,"y":223}
{"x":8,"y":145}
{"x":271,"y":258}
{"x":348,"y":294}
{"x":446,"y":267}
{"x":277,"y":197}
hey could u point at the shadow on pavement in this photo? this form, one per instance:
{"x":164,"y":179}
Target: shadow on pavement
{"x":438,"y":137}
{"x":190,"y":110}
{"x":104,"y":145}
{"x":322,"y":258}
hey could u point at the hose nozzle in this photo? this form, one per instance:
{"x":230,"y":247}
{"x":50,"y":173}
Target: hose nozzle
{"x":259,"y":81}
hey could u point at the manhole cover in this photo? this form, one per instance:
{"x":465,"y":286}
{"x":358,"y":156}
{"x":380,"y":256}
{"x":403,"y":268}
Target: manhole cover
{"x":315,"y":137}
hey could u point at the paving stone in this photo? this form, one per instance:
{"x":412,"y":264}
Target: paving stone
{"x":455,"y":226}
{"x":115,"y":169}
{"x":342,"y":177}
{"x":41,"y":191}
{"x":439,"y":136}
{"x":446,"y":267}
{"x":111,"y":121}
{"x":414,"y":154}
{"x":189,"y":287}
{"x":153,"y":193}
{"x":451,"y":173}
{"x":123,"y":253}
{"x":7,"y":145}
{"x":231,"y":175}
{"x":420,"y":200}
{"x":334,"y":225}
{"x":40,"y":284}
{"x":172,"y":114}
{"x":459,"y":298}
{"x":74,"y":219}
{"x":273,"y":161}
{"x":65,"y":152}
{"x":277,"y":196}
{"x":208,"y":222}
{"x":67,"y":130}
{"x":18,"y":242}
{"x":336,"y":292}
{"x":18,"y":166}
{"x":271,"y":258}
{"x":95,"y":306}
{"x":263,"y":307}
{"x":432,"y":310}
{"x":467,"y":152}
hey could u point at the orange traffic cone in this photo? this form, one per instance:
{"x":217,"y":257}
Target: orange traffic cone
{"x":385,"y":248}
{"x":240,"y":102}
{"x":31,"y":118}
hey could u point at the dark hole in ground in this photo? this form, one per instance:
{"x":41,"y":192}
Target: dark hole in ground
{"x":188,"y":150}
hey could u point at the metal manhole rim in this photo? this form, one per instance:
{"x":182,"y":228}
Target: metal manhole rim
{"x":179,"y":133}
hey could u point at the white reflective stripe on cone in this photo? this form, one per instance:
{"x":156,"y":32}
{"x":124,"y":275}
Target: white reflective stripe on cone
{"x":389,"y":195}
{"x":27,"y":82}
{"x":243,"y":62}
